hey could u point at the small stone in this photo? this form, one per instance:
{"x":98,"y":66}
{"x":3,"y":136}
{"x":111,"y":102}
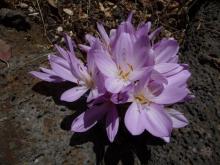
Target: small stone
{"x":71,"y":33}
{"x":31,"y":9}
{"x":68,"y":11}
{"x":23,"y":5}
{"x":59,"y":29}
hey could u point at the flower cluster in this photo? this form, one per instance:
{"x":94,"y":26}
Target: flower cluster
{"x":129,"y":67}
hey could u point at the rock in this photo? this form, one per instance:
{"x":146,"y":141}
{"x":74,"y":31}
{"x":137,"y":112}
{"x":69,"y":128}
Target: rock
{"x":59,"y":29}
{"x":68,"y":11}
{"x":23,"y":5}
{"x":14,"y":18}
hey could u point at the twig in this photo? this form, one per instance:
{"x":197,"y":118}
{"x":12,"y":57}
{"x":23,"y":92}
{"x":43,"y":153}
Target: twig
{"x":41,"y":16}
{"x":42,"y":19}
{"x":87,"y":11}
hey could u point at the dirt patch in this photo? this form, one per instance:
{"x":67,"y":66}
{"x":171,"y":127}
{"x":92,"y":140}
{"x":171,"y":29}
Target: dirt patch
{"x":30,"y":121}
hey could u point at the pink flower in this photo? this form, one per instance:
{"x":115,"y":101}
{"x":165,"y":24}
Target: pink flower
{"x":125,"y":66}
{"x":67,"y":67}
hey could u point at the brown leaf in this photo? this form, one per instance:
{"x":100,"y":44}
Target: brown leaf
{"x":5,"y":51}
{"x":53,"y":3}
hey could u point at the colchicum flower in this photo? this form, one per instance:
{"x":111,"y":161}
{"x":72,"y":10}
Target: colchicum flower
{"x":126,"y":66}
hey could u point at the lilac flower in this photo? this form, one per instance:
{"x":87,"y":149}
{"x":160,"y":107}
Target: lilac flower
{"x":126,"y":66}
{"x":147,"y":109}
{"x":102,"y":107}
{"x":68,"y":67}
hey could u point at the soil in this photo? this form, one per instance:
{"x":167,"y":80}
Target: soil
{"x":34,"y":124}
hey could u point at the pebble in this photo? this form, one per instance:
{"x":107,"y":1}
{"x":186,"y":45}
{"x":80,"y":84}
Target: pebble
{"x":68,"y":11}
{"x":23,"y":5}
{"x":59,"y":29}
{"x":31,"y":9}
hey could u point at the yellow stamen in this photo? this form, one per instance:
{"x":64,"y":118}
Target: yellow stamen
{"x":141,"y":99}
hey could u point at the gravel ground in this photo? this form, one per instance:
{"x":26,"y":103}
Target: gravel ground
{"x":34,"y":124}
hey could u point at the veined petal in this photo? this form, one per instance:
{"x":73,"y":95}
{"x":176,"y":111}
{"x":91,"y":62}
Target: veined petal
{"x":124,"y":50}
{"x":48,"y":71}
{"x":114,"y":85}
{"x":168,"y":69}
{"x":78,"y":124}
{"x":178,"y":119}
{"x":73,"y":94}
{"x":105,"y":64}
{"x":140,"y":54}
{"x":158,"y":77}
{"x":92,"y":94}
{"x":179,"y":79}
{"x":91,"y":39}
{"x":63,"y":72}
{"x":129,"y":19}
{"x":59,"y":60}
{"x":143,"y":29}
{"x":133,"y":120}
{"x":166,"y":50}
{"x":70,"y":43}
{"x":89,"y":118}
{"x":171,"y":94}
{"x":112,"y":122}
{"x":154,"y":34}
{"x":62,"y":52}
{"x":156,"y":121}
{"x":140,"y":73}
{"x":125,"y":27}
{"x":166,"y":139}
{"x":103,"y":33}
{"x":46,"y":77}
{"x":84,"y":47}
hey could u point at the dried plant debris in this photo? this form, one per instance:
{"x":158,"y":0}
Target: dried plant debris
{"x":80,"y":16}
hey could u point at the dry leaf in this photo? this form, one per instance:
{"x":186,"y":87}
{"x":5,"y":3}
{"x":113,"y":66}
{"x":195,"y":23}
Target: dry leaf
{"x":5,"y":51}
{"x":53,"y":3}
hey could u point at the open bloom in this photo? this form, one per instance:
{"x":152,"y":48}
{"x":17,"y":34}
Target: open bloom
{"x":101,"y":108}
{"x":147,"y":111}
{"x":124,"y":66}
{"x":67,"y":67}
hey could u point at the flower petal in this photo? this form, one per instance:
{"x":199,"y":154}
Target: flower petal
{"x":171,"y":94}
{"x":168,"y":69}
{"x":166,"y":139}
{"x":114,"y":85}
{"x":92,"y":95}
{"x":156,"y":121}
{"x":105,"y":64}
{"x":141,"y":52}
{"x":70,"y":43}
{"x":84,"y":47}
{"x":179,"y":79}
{"x":46,"y":77}
{"x":139,"y":73}
{"x":178,"y":119}
{"x":123,"y":50}
{"x":73,"y":94}
{"x":59,"y":60}
{"x":133,"y":120}
{"x":166,"y":50}
{"x":112,"y":122}
{"x":154,"y":34}
{"x":61,"y":51}
{"x":143,"y":29}
{"x":89,"y":118}
{"x":63,"y":72}
{"x":90,"y":39}
{"x":103,"y":33}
